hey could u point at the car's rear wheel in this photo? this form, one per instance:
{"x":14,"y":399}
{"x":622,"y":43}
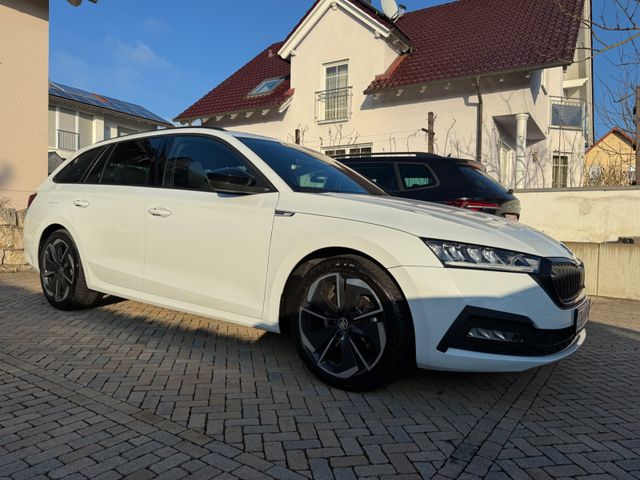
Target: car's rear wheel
{"x":61,"y":274}
{"x":352,"y":325}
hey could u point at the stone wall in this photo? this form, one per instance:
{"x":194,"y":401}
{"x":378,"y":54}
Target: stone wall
{"x":11,"y":246}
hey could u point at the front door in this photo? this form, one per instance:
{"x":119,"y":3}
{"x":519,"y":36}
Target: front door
{"x":205,"y":248}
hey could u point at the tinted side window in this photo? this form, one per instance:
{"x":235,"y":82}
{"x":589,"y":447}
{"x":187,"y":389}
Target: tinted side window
{"x":382,"y":174}
{"x":415,"y":175}
{"x":74,"y":172}
{"x":191,"y":159}
{"x":130,"y":162}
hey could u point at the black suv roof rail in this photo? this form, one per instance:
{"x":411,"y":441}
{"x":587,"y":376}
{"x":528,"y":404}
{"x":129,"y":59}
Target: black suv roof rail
{"x":389,"y":154}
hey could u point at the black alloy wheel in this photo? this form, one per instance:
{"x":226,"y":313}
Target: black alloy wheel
{"x":352,"y":323}
{"x":61,"y":274}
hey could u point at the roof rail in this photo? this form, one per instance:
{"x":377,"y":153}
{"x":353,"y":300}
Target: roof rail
{"x":178,"y":127}
{"x":388,"y":154}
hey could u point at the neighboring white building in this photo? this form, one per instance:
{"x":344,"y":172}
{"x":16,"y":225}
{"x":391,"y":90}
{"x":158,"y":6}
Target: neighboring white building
{"x":347,"y":79}
{"x":78,"y":118}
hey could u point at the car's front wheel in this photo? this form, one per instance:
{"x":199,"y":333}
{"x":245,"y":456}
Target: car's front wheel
{"x":352,"y":326}
{"x":61,"y":274}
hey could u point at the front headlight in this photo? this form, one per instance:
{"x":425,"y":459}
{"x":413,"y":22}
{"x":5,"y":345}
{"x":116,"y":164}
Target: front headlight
{"x":463,"y":255}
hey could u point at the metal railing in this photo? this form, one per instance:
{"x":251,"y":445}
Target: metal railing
{"x":68,"y":140}
{"x":333,"y":105}
{"x":569,"y":113}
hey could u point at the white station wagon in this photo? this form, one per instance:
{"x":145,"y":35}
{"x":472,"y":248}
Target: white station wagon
{"x":257,"y":232}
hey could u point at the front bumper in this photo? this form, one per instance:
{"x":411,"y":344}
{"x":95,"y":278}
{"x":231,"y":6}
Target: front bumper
{"x":441,"y":300}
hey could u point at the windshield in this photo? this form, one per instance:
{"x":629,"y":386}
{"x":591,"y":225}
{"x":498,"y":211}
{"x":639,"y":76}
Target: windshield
{"x":307,"y":171}
{"x":480,"y":182}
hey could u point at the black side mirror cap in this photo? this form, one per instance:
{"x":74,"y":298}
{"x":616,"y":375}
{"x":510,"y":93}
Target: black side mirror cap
{"x":234,"y":181}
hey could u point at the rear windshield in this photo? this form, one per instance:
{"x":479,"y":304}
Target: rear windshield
{"x":480,"y":182}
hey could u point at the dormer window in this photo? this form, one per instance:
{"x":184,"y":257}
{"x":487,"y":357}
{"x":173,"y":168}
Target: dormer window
{"x":266,"y":87}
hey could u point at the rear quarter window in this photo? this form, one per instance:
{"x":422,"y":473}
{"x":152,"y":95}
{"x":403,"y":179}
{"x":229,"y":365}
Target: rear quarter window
{"x":76,"y":169}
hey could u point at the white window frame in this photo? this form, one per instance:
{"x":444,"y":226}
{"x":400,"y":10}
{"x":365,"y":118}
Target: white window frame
{"x":334,"y":108}
{"x":348,"y":149}
{"x":559,"y":155}
{"x":326,"y":66}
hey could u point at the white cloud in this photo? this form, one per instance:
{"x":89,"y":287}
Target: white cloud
{"x":138,"y":55}
{"x":155,"y":27}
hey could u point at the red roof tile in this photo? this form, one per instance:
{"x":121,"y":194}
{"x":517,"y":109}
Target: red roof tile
{"x":475,"y":37}
{"x":461,"y":39}
{"x":232,"y":94}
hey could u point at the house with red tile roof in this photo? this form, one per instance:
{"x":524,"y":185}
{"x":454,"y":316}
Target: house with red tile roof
{"x":508,"y":82}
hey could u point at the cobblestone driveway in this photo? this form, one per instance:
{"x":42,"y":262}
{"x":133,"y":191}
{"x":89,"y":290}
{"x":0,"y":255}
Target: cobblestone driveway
{"x":129,"y":390}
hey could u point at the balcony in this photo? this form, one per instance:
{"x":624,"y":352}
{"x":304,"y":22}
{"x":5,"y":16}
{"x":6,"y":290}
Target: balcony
{"x":568,"y":113}
{"x":68,"y":140}
{"x":333,"y":105}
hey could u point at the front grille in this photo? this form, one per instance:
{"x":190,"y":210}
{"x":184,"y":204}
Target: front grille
{"x":568,"y":281}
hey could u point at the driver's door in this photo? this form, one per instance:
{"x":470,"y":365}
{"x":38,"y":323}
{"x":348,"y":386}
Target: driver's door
{"x":206,"y":248}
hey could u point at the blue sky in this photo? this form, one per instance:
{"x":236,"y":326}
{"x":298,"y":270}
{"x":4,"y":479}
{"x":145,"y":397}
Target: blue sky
{"x":165,"y":54}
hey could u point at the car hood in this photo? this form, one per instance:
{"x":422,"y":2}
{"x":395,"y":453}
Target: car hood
{"x":427,"y":220}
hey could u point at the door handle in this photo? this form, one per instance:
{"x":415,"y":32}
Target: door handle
{"x":159,"y":212}
{"x":81,"y":203}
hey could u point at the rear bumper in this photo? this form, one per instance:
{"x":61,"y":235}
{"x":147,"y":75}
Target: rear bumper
{"x":443,"y":301}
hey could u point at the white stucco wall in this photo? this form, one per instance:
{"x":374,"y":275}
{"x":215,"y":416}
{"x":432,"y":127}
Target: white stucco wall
{"x":594,"y":215}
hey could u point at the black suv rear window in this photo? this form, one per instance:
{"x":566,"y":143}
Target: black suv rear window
{"x":480,"y":182}
{"x":76,"y":169}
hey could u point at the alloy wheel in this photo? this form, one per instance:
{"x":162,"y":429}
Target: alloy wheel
{"x":342,"y":325}
{"x":58,"y":269}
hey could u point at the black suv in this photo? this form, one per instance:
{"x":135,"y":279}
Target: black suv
{"x":423,"y":176}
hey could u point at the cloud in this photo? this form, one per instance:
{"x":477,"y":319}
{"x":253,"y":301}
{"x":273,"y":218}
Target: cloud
{"x":138,"y":55}
{"x":155,"y":27}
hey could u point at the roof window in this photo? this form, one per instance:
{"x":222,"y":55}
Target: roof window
{"x":266,"y":87}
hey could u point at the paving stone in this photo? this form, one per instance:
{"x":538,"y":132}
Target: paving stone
{"x":131,"y":390}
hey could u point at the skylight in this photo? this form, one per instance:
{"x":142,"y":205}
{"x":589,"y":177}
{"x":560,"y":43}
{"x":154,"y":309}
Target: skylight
{"x":266,"y":87}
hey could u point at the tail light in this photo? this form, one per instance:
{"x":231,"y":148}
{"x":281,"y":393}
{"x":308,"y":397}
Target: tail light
{"x":32,"y":197}
{"x":472,"y":204}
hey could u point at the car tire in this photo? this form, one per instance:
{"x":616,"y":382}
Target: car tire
{"x":61,"y":274}
{"x":351,"y":323}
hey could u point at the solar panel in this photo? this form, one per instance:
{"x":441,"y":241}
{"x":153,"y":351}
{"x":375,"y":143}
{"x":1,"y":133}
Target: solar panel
{"x":82,"y":96}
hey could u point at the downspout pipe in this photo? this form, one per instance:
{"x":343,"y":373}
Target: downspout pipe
{"x":480,"y":111}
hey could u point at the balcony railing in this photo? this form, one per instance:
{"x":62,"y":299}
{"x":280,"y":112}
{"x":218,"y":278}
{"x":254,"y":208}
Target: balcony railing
{"x":568,"y":113}
{"x":68,"y":140}
{"x":333,"y":105}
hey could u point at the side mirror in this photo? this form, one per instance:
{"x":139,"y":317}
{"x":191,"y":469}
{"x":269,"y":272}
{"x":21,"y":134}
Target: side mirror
{"x":234,"y":180}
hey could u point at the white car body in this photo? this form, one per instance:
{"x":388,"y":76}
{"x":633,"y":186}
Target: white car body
{"x":229,"y":257}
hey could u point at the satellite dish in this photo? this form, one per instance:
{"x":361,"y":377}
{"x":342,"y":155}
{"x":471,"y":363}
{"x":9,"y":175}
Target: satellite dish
{"x":392,"y":10}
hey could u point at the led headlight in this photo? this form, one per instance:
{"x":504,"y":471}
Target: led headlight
{"x":463,"y":255}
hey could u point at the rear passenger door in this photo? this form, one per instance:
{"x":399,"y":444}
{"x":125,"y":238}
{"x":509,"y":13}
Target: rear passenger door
{"x":108,"y":212}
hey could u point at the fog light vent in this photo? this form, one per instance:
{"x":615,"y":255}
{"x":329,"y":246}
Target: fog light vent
{"x":494,"y":335}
